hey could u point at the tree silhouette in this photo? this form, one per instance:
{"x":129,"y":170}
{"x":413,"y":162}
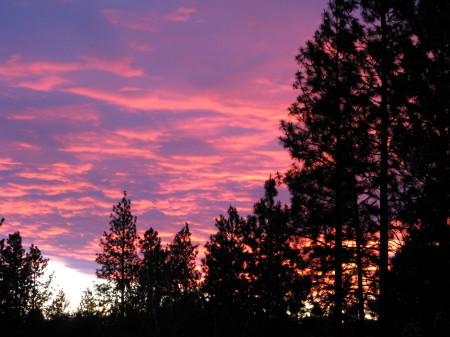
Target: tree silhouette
{"x":225,"y":261}
{"x":422,"y":141}
{"x":14,"y":277}
{"x":119,"y":260}
{"x":22,"y":290}
{"x":181,"y":264}
{"x":58,"y":307}
{"x":39,"y":290}
{"x":153,"y":274}
{"x":384,"y":38}
{"x":276,"y":264}
{"x":88,"y":305}
{"x":323,"y":141}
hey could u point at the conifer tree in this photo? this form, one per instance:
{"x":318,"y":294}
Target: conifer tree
{"x":181,"y":264}
{"x":14,"y":278}
{"x":59,"y":305}
{"x":119,"y":259}
{"x":275,"y":268}
{"x":88,"y":305}
{"x":39,"y":289}
{"x":330,"y":125}
{"x":22,"y":289}
{"x":225,"y":261}
{"x":385,"y":39}
{"x":422,"y":141}
{"x":153,"y":274}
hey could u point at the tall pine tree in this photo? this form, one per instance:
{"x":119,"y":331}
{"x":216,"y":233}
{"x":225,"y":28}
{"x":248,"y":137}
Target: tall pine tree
{"x":325,"y":141}
{"x":119,"y":260}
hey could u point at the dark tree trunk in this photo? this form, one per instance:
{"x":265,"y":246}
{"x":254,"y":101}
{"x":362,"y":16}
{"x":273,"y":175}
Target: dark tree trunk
{"x":384,"y":179}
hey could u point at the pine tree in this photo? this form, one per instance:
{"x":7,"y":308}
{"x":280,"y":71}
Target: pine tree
{"x":181,"y":263}
{"x":153,"y":274}
{"x":22,"y":289}
{"x":422,"y":142}
{"x":88,"y":305}
{"x":225,"y":261}
{"x":276,"y":265}
{"x":119,"y":260}
{"x":324,"y":141}
{"x":58,"y":307}
{"x":385,"y":38}
{"x":14,"y":281}
{"x":39,"y":289}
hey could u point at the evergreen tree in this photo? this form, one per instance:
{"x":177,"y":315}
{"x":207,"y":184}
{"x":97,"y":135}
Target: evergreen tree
{"x":276,"y":265}
{"x":422,"y":141}
{"x":15,"y":276}
{"x":181,"y":264}
{"x":119,"y":260}
{"x":22,"y":290}
{"x":330,"y":141}
{"x":88,"y":304}
{"x":385,"y":41}
{"x":58,"y":307}
{"x":226,"y":279}
{"x":39,"y":289}
{"x":153,"y":275}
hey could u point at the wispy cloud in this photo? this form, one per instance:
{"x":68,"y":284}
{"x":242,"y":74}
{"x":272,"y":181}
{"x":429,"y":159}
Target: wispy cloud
{"x":182,"y":14}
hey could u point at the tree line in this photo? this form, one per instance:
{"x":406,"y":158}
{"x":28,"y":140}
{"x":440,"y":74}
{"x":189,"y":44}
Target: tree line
{"x":364,"y":246}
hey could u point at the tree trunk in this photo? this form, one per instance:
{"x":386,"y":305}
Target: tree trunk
{"x":359,"y":267}
{"x":383,"y":176}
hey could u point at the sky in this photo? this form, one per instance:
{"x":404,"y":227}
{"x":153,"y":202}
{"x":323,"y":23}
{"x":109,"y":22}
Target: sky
{"x":176,"y":102}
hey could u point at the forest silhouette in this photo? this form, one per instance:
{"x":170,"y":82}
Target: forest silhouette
{"x":363,"y":248}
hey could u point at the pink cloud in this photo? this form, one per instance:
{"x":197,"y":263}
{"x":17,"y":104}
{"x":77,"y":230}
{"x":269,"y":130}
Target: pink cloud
{"x":142,"y":135}
{"x":27,"y":146}
{"x":181,"y":14}
{"x":46,"y":189}
{"x":131,"y":20}
{"x":142,"y":47}
{"x":12,"y":192}
{"x":177,"y":101}
{"x":117,"y":65}
{"x":62,"y":172}
{"x":37,"y":175}
{"x":84,"y":113}
{"x":7,"y":164}
{"x":15,"y":67}
{"x":46,"y":83}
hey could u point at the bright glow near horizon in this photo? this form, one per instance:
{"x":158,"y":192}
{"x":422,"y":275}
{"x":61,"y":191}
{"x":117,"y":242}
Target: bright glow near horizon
{"x":70,"y":280}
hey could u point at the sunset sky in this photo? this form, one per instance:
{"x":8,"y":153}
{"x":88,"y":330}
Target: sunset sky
{"x":176,"y":102}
